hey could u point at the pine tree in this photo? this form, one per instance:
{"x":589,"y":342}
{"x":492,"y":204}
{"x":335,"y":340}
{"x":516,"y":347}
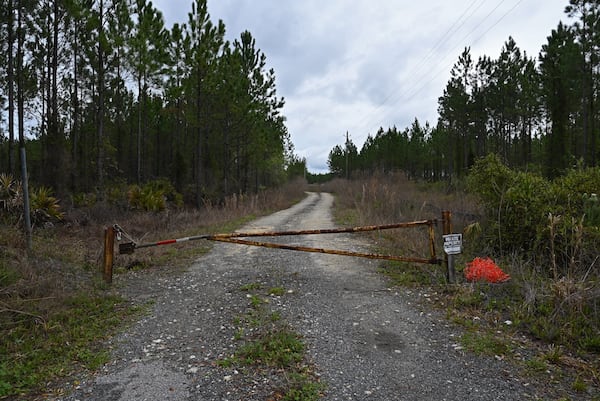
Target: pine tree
{"x":558,"y":66}
{"x":587,"y":34}
{"x":204,"y":44}
{"x":147,"y":57}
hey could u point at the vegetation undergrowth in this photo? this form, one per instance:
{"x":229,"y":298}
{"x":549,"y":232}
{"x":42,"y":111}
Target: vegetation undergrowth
{"x":544,"y":234}
{"x":268,"y":342}
{"x":37,"y":346}
{"x":55,"y":311}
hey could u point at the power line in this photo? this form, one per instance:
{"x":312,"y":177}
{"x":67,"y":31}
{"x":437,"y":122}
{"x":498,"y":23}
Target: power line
{"x":445,"y":68}
{"x":445,"y":37}
{"x":419,"y":84}
{"x":450,"y":32}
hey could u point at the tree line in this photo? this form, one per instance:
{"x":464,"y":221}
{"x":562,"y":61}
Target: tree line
{"x":100,"y":92}
{"x":538,"y":114}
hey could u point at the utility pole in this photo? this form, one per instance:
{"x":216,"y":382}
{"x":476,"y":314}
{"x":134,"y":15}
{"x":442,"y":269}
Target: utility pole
{"x":347,"y":156}
{"x":304,"y":167}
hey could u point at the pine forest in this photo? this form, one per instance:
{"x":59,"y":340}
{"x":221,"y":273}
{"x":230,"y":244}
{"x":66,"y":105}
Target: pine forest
{"x":101,"y":94}
{"x":537,"y":112}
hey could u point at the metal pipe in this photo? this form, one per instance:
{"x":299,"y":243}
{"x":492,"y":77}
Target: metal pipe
{"x":172,"y":241}
{"x":326,"y":251}
{"x":128,"y":248}
{"x":448,"y":259}
{"x":285,"y":233}
{"x":327,"y":230}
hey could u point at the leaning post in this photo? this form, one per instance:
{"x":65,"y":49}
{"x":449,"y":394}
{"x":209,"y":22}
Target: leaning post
{"x":109,"y":248}
{"x":449,"y":257}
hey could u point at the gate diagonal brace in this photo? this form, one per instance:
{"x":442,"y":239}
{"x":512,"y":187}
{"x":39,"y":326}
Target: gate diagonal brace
{"x":327,"y":251}
{"x":237,"y":238}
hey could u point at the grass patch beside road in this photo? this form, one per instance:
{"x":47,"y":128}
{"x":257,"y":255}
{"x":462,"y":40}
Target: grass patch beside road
{"x":37,"y":348}
{"x":267,"y":342}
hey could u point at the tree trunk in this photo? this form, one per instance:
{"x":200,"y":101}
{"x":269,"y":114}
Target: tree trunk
{"x":139,"y":134}
{"x":75,"y":128}
{"x":11,"y":92}
{"x":56,"y":140}
{"x":100,"y":105}
{"x":199,"y":141}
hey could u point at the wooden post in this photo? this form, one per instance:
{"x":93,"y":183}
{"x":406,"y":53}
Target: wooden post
{"x":109,"y":249}
{"x":448,"y":259}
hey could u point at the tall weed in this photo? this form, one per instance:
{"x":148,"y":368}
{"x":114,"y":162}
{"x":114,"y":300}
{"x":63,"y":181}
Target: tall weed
{"x":392,"y":197}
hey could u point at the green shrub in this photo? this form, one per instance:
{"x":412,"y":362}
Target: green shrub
{"x":84,"y":199}
{"x":525,"y":211}
{"x":577,"y":182}
{"x":153,"y":196}
{"x":44,"y":206}
{"x":591,"y":209}
{"x":576,"y":204}
{"x":516,"y":203}
{"x":490,"y":178}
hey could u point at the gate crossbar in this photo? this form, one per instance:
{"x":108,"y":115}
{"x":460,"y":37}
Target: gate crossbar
{"x":327,"y":251}
{"x":237,"y":238}
{"x":327,"y":230}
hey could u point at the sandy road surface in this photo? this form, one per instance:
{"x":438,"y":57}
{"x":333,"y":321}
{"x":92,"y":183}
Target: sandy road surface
{"x":366,"y":341}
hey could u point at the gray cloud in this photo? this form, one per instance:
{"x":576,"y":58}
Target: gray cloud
{"x":358,"y":65}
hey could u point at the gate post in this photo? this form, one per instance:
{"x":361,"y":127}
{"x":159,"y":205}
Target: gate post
{"x":448,"y":259}
{"x":109,"y":250}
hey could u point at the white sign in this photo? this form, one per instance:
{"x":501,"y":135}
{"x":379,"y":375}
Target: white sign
{"x":452,"y":244}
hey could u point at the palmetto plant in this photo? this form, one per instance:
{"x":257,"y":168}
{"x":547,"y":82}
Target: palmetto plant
{"x":146,"y":198}
{"x":11,"y":194}
{"x":44,"y":206}
{"x":6,"y":182}
{"x":7,"y":186}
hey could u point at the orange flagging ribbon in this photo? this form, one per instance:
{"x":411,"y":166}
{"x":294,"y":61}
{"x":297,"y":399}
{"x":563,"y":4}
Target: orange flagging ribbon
{"x":484,"y":269}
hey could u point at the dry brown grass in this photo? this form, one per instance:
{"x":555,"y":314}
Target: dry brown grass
{"x":391,"y":198}
{"x":381,"y":198}
{"x":67,"y":257}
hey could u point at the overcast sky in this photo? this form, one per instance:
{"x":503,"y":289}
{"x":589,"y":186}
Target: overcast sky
{"x":356,"y":65}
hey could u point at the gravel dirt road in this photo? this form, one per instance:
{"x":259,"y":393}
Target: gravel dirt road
{"x":365,"y":340}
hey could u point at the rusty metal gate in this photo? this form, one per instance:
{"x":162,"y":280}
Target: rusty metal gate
{"x":241,"y":238}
